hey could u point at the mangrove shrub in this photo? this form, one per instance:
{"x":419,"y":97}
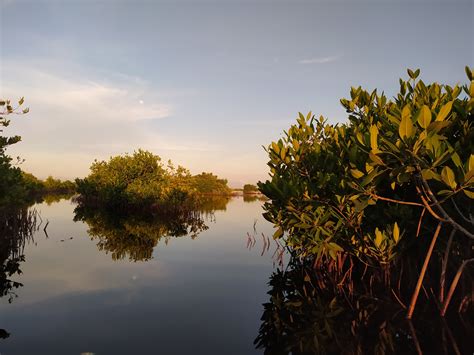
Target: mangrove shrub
{"x":400,"y":169}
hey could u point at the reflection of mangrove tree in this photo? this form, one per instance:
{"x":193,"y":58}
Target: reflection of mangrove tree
{"x":253,"y":198}
{"x":324,"y":311}
{"x":208,"y":204}
{"x":135,"y":236}
{"x":16,"y":229}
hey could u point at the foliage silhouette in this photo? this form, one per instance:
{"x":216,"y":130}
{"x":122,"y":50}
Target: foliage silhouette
{"x":311,"y":312}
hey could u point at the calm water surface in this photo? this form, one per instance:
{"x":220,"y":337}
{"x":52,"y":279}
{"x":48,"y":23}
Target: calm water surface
{"x":199,"y":295}
{"x":193,"y":284}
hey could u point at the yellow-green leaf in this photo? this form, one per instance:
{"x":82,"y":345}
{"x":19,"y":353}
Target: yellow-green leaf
{"x":374,"y":132}
{"x":447,"y":175}
{"x":360,"y":138}
{"x":406,"y":129}
{"x":357,"y":173}
{"x":469,"y":194}
{"x":278,"y":233}
{"x":456,"y":159}
{"x":424,"y":117}
{"x":444,"y":112}
{"x":406,"y":112}
{"x":396,"y":232}
{"x":471,"y":162}
{"x":429,"y":174}
{"x":378,"y":237}
{"x":296,"y":144}
{"x":276,"y":148}
{"x":469,"y":177}
{"x":375,"y":159}
{"x":368,"y":167}
{"x":335,"y":247}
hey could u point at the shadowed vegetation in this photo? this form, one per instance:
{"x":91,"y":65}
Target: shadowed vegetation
{"x":312,"y":312}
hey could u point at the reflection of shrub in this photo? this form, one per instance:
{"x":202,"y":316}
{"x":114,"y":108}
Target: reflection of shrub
{"x":49,"y":199}
{"x":135,"y":236}
{"x":211,"y":203}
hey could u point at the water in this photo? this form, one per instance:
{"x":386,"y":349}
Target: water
{"x":193,"y":296}
{"x":103,"y":284}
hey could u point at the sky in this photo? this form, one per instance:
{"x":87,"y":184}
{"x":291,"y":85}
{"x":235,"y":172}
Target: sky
{"x":207,"y":83}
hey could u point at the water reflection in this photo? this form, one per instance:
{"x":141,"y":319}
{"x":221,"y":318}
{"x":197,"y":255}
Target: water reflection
{"x":308,"y":314}
{"x":134,"y":237}
{"x":212,"y":203}
{"x":76,"y":298}
{"x":254,"y":197}
{"x":16,"y":229}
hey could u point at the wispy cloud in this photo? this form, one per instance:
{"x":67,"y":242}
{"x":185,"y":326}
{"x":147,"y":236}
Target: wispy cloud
{"x":84,"y":100}
{"x":320,"y":60}
{"x":73,"y":119}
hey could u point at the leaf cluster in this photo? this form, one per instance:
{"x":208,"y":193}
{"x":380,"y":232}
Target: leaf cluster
{"x":359,"y":187}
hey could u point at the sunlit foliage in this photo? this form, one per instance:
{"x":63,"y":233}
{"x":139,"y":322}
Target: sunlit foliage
{"x":139,"y":180}
{"x":208,"y":183}
{"x":142,"y":181}
{"x":249,"y":189}
{"x":398,"y":169}
{"x":57,"y":186}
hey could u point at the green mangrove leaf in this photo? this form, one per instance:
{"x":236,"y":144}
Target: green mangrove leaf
{"x":378,"y":237}
{"x":447,"y":175}
{"x":396,"y":232}
{"x":424,"y":116}
{"x":444,"y":112}
{"x":357,"y":173}
{"x":406,"y":129}
{"x":456,"y":159}
{"x":374,"y":132}
{"x":430,"y":174}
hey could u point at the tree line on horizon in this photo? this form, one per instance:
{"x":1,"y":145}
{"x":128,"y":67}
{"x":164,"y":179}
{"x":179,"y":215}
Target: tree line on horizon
{"x":137,"y":179}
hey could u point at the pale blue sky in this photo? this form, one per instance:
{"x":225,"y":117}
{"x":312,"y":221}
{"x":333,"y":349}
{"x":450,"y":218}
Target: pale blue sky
{"x":203,"y":83}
